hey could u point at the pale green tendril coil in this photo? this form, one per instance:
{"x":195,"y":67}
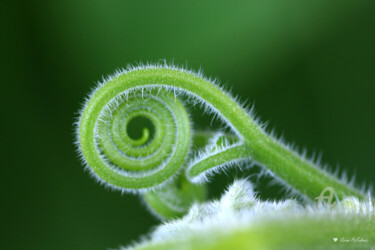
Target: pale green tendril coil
{"x":150,"y":163}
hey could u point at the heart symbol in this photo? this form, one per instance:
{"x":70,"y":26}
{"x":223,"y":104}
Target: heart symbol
{"x":334,"y":239}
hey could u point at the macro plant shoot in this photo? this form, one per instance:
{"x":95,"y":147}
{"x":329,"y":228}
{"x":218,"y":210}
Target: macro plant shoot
{"x":212,"y":125}
{"x":135,"y":134}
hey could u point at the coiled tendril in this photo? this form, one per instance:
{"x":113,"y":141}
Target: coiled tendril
{"x":150,"y":162}
{"x":143,"y":163}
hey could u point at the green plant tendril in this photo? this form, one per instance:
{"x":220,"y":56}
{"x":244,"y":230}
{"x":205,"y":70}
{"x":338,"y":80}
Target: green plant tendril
{"x":147,"y":163}
{"x":175,"y":199}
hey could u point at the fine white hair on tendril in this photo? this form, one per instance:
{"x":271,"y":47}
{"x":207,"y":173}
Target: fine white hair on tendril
{"x":193,"y":99}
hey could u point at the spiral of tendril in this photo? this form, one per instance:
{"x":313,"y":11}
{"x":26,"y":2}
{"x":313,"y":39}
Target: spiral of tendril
{"x":142,"y":163}
{"x":150,"y":162}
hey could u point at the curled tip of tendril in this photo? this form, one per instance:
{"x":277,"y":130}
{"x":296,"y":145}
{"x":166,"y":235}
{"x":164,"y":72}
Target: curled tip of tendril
{"x":125,"y":162}
{"x":157,"y":156}
{"x":151,"y":92}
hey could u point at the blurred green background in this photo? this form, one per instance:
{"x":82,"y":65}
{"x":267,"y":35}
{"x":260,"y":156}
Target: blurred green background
{"x":307,"y":65}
